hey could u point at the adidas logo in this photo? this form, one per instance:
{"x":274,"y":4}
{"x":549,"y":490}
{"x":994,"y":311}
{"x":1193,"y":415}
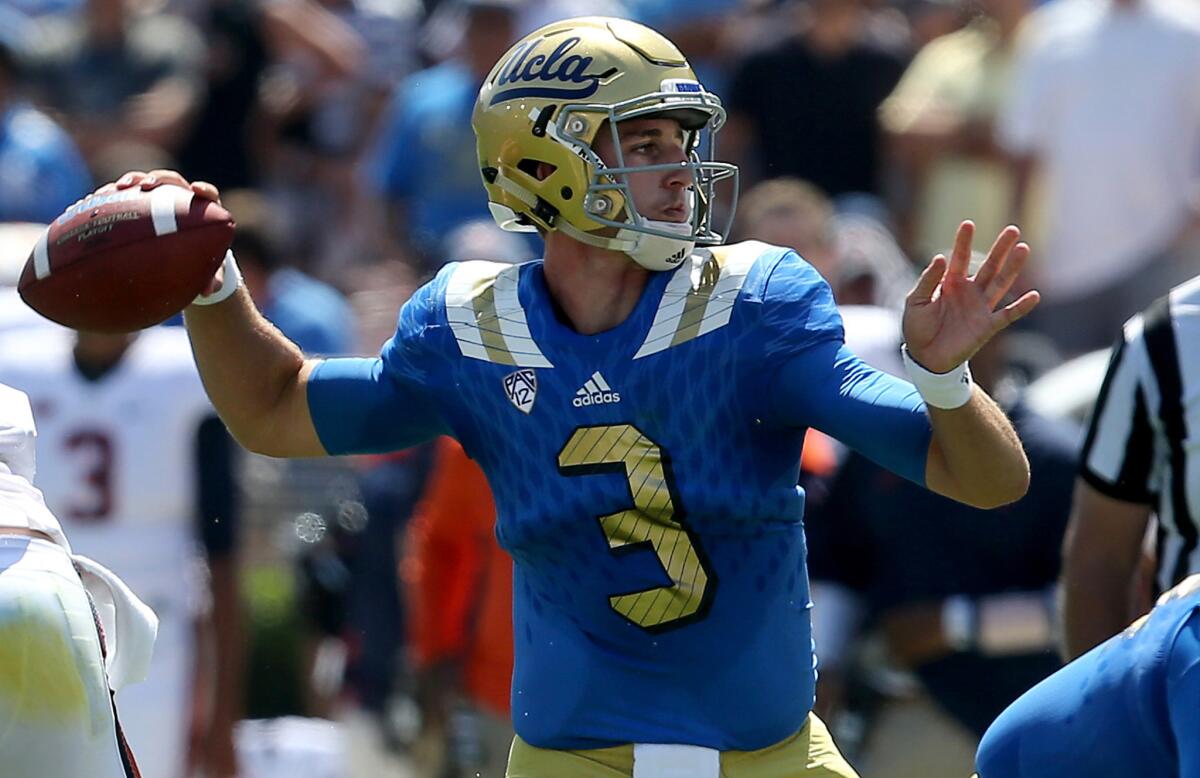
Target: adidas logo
{"x":595,"y":392}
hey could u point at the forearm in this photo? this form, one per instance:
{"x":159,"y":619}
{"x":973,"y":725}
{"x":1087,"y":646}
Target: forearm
{"x":975,"y":456}
{"x":1094,"y":607}
{"x":1096,"y":586}
{"x":254,"y":377}
{"x":1102,"y":550}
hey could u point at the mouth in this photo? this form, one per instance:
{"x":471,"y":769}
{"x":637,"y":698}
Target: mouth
{"x":676,"y":213}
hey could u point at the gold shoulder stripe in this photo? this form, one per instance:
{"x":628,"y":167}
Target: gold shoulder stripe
{"x":700,"y":297}
{"x":487,"y":318}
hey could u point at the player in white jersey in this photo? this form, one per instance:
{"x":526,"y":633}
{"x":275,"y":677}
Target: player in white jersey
{"x":57,"y":718}
{"x":133,"y":456}
{"x":16,"y":241}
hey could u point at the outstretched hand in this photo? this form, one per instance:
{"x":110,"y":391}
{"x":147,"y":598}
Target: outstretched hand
{"x":948,"y":315}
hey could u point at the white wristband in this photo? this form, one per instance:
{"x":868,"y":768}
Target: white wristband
{"x":230,"y":282}
{"x":941,"y":390}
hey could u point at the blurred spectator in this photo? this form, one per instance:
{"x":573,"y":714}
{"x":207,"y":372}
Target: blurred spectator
{"x":866,"y":270}
{"x":219,"y":143}
{"x":314,"y":315}
{"x":533,"y":14}
{"x":483,"y":239}
{"x":424,"y":166}
{"x":346,"y":113}
{"x":459,"y":584}
{"x":808,"y":105}
{"x":939,"y":124}
{"x":1137,"y":462}
{"x":335,"y":71}
{"x":962,"y":596}
{"x":139,"y":470}
{"x":1106,"y":107}
{"x":931,"y":19}
{"x":874,"y":269}
{"x":41,"y":172}
{"x":793,"y":213}
{"x":698,"y":28}
{"x":376,"y":620}
{"x":115,"y":75}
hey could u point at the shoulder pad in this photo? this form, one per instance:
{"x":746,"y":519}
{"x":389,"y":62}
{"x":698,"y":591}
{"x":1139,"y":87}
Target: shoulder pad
{"x":486,"y":316}
{"x":700,"y":296}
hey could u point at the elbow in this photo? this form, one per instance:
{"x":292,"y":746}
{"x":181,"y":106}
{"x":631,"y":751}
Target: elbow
{"x":999,"y":490}
{"x":263,"y":441}
{"x":250,"y":439}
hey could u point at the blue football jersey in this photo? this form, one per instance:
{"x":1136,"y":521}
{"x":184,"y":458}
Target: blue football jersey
{"x":1129,"y":707}
{"x":644,"y":478}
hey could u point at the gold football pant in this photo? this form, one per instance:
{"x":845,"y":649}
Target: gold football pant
{"x":810,"y":753}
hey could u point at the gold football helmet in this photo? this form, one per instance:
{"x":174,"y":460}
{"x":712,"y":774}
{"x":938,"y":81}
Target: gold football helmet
{"x":545,"y":102}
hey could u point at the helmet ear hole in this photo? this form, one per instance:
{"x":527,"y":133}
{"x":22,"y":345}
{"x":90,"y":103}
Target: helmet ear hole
{"x":536,"y":169}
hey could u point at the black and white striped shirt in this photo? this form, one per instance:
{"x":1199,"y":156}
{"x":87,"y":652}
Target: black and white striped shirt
{"x":1143,"y":443}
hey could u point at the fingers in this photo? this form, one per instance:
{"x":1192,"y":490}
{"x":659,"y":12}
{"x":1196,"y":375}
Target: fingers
{"x":130,"y":179}
{"x":1007,"y":273}
{"x":927,"y":284}
{"x":1017,"y":309}
{"x":206,"y":190}
{"x":159,"y":177}
{"x":997,"y":256}
{"x":960,"y":257}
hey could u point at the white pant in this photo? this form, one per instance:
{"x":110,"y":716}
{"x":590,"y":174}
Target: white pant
{"x":56,"y":715}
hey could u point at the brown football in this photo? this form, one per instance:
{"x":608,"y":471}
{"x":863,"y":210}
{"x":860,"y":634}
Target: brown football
{"x":126,"y":260}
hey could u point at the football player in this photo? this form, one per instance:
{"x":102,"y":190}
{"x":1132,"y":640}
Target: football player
{"x":1130,"y":706}
{"x":137,"y":468}
{"x":57,"y":717}
{"x":638,"y":401}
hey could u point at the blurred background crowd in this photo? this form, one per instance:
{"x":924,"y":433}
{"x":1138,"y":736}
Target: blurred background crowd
{"x":350,"y":617}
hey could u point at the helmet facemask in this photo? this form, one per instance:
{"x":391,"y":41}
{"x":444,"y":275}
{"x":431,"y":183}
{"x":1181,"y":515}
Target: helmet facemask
{"x":656,"y":245}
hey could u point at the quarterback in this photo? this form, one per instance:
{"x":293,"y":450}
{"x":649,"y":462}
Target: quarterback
{"x":638,"y":400}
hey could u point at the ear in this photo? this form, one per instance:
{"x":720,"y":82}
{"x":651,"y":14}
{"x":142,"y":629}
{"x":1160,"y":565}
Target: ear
{"x":544,"y":171}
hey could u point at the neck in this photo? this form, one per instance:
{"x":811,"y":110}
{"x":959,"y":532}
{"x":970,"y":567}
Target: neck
{"x":97,"y":355}
{"x":594,"y":289}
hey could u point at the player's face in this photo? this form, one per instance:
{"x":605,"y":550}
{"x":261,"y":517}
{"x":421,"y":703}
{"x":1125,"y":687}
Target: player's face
{"x":660,"y":195}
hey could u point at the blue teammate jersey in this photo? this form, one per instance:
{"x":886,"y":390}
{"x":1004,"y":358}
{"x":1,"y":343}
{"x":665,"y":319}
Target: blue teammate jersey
{"x":1129,"y":707}
{"x":644,"y":478}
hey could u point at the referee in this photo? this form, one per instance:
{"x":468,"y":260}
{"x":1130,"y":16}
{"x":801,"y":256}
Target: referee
{"x":1138,"y":459}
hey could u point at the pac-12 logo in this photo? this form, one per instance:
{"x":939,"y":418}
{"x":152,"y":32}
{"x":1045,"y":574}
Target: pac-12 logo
{"x":532,"y":76}
{"x":520,"y":388}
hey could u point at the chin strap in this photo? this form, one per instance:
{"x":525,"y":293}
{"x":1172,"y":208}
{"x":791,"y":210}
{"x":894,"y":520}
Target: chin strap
{"x":653,"y":252}
{"x":615,"y":244}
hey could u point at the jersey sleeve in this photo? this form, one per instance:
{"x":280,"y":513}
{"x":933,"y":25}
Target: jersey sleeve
{"x":389,"y":402}
{"x":876,"y":414}
{"x":813,"y":380}
{"x":797,"y":310}
{"x":1117,"y":458}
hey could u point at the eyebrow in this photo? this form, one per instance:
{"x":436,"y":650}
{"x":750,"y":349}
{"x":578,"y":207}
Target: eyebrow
{"x":649,"y":132}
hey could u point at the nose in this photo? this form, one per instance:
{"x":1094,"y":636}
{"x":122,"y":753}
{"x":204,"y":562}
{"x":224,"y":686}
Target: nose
{"x":681,"y":177}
